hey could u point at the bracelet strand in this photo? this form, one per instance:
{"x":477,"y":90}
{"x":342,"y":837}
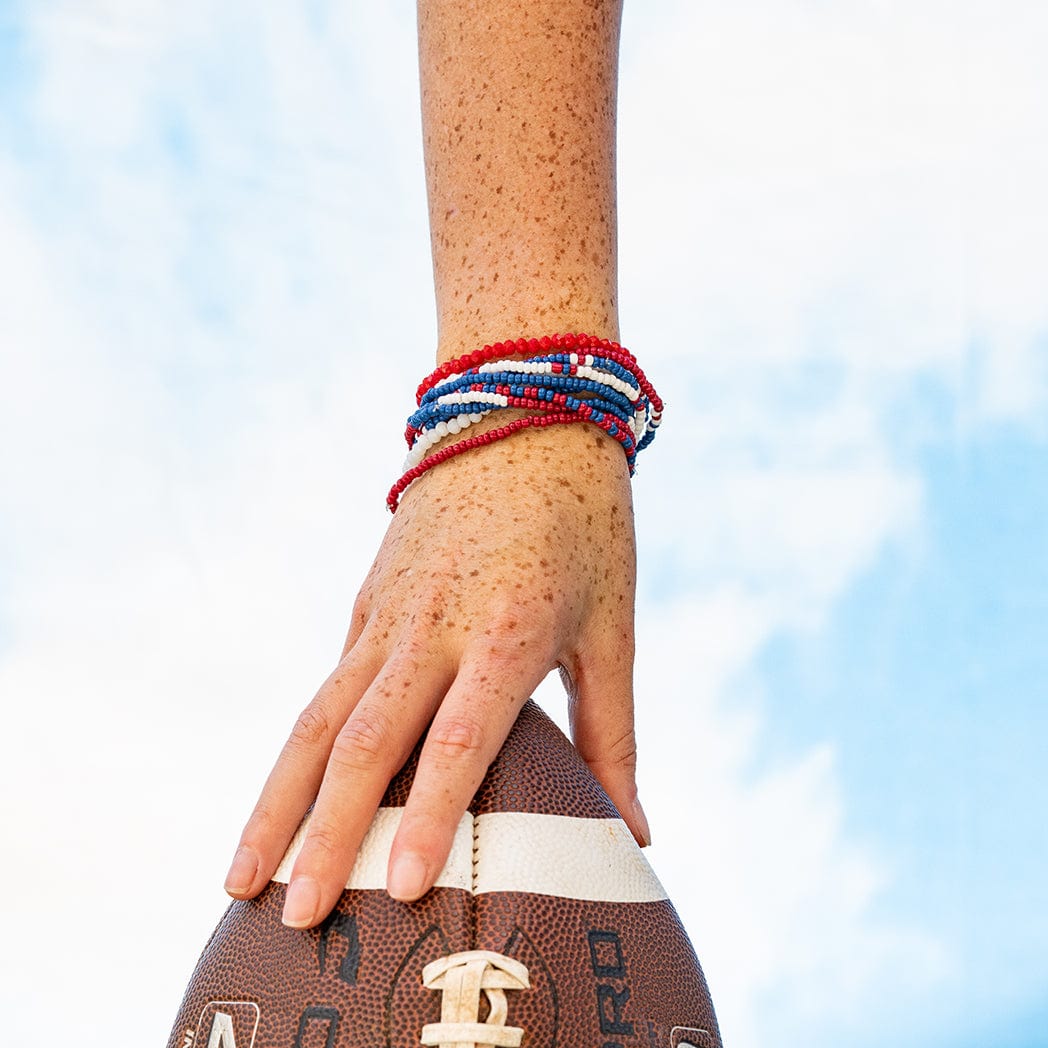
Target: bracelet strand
{"x":564,"y":378}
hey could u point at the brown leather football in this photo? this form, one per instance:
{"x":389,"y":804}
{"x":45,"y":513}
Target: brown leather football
{"x":546,"y":928}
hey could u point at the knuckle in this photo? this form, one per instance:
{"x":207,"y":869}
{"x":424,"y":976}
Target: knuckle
{"x":311,"y":728}
{"x":506,"y":653}
{"x":512,"y":637}
{"x":432,"y":603}
{"x":362,"y":743}
{"x":411,"y":652}
{"x":404,"y":665}
{"x":618,"y":753}
{"x":431,"y":617}
{"x":323,"y":840}
{"x":455,"y":738}
{"x":623,"y":751}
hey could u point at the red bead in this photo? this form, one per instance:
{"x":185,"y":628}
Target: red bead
{"x":530,"y":401}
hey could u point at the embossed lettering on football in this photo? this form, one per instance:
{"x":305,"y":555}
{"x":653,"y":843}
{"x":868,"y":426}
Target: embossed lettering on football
{"x":547,"y":928}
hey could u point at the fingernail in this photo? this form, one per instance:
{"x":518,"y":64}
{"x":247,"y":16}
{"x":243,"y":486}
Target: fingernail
{"x":300,"y":905}
{"x":242,"y":871}
{"x":407,"y":879}
{"x":642,"y":822}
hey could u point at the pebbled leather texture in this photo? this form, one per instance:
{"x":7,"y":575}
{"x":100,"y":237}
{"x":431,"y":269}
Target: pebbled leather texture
{"x":600,"y":973}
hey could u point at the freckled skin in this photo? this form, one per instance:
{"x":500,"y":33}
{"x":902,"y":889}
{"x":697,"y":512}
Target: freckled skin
{"x":518,"y":557}
{"x":518,"y":111}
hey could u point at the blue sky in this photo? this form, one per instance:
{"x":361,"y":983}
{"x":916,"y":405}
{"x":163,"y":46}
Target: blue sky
{"x":212,"y":227}
{"x":931,"y":683}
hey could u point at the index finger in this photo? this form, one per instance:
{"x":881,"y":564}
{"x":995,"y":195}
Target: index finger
{"x":292,"y":785}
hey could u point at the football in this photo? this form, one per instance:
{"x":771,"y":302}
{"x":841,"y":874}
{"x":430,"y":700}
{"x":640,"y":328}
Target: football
{"x":547,"y":928}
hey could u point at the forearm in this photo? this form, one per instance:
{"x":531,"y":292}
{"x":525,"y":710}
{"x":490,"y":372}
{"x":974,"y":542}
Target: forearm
{"x":518,"y":112}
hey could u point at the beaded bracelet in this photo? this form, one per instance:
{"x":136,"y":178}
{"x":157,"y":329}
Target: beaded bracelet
{"x":558,"y":378}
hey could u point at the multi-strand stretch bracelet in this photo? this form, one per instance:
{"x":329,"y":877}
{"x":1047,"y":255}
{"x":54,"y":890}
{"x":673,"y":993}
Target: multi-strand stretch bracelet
{"x":562,"y":378}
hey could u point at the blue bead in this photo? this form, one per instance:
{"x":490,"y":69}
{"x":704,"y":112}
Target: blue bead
{"x":603,"y":402}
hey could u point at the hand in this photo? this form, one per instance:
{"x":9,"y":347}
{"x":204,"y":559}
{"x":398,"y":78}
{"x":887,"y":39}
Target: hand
{"x":499,"y":565}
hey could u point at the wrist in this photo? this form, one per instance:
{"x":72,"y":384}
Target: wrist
{"x":555,"y":464}
{"x":553,"y":381}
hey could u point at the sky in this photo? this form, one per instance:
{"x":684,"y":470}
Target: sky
{"x":833,"y":256}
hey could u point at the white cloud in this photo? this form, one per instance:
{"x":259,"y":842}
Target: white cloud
{"x":859,"y":183}
{"x":170,"y":611}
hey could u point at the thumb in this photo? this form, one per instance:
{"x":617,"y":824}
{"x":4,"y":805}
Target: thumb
{"x":600,"y":705}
